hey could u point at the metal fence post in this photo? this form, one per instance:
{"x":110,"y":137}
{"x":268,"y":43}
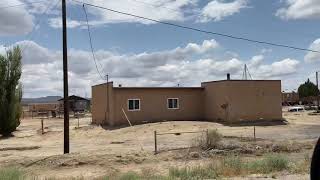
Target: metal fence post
{"x":42,"y":131}
{"x":207,"y":138}
{"x":155,"y":143}
{"x":254,"y":133}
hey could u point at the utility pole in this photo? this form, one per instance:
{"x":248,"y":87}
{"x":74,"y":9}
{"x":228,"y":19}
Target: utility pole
{"x":318,"y":91}
{"x":108,"y":107}
{"x":66,"y":147}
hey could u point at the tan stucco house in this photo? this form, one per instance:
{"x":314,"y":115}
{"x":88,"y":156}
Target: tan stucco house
{"x":225,"y":100}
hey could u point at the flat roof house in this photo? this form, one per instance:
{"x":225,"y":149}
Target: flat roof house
{"x":225,"y":100}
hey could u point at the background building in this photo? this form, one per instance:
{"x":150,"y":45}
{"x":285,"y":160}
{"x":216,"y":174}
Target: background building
{"x":226,"y":100}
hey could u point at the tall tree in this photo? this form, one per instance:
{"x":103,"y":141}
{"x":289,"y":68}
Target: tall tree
{"x":10,"y":91}
{"x":308,"y":89}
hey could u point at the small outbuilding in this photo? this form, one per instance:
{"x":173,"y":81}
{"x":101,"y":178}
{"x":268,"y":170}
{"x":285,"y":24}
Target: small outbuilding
{"x":225,"y":101}
{"x":76,"y":104}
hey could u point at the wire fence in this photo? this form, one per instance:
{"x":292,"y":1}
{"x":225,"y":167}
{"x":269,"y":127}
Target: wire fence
{"x":166,"y":144}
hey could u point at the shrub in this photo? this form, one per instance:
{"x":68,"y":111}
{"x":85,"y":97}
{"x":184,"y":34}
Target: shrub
{"x":199,"y":172}
{"x":232,"y":166}
{"x":211,"y":140}
{"x":269,"y":164}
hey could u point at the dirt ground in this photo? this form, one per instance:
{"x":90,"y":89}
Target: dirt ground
{"x":97,"y":151}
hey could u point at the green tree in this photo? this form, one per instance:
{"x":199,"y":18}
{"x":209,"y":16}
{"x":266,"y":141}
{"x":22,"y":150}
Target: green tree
{"x":308,"y":89}
{"x":10,"y":91}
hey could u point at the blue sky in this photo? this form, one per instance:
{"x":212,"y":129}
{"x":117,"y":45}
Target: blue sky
{"x":140,"y":53}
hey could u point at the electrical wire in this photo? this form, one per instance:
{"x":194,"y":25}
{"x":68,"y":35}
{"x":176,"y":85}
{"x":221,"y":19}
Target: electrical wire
{"x":90,"y":40}
{"x":200,"y":30}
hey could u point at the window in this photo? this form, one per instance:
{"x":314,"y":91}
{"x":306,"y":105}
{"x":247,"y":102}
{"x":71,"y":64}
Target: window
{"x":173,"y":103}
{"x":134,"y":104}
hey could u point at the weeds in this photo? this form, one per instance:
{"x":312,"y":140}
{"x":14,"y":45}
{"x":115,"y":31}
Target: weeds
{"x":211,"y":140}
{"x":198,"y":172}
{"x":225,"y":167}
{"x":233,"y":166}
{"x":11,"y":174}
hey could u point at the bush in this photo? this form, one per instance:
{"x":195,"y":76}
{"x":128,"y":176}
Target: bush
{"x":199,"y":172}
{"x":232,"y":166}
{"x":277,"y":162}
{"x":269,"y":164}
{"x":11,"y":174}
{"x":211,"y":140}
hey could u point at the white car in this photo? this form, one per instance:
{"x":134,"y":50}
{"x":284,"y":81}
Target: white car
{"x":295,"y":109}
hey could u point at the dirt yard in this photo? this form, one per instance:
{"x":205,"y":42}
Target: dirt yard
{"x":97,"y":151}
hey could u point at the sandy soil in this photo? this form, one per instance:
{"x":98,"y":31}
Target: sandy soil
{"x":96,"y":151}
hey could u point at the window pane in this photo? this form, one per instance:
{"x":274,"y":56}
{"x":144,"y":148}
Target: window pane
{"x":131,"y":104}
{"x":170,"y":105}
{"x":175,"y":103}
{"x":137,"y":104}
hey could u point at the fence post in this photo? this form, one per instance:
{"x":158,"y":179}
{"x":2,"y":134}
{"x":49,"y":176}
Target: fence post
{"x":78,"y":122}
{"x":42,"y":131}
{"x":207,"y":134}
{"x":155,"y":143}
{"x":254,"y":133}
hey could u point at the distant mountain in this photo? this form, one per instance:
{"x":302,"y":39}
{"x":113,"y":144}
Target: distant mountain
{"x":47,"y":99}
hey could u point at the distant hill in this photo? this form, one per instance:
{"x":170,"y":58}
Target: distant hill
{"x":47,"y":99}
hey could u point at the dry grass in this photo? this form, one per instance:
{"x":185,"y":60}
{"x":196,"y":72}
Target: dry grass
{"x":221,"y":167}
{"x":210,"y":140}
{"x":11,"y":173}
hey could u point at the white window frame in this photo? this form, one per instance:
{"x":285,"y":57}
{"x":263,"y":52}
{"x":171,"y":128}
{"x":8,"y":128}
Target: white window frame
{"x":178,"y":103}
{"x":133,"y":105}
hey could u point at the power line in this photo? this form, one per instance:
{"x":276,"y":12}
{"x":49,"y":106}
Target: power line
{"x":22,"y":4}
{"x":201,"y":30}
{"x":90,"y":40}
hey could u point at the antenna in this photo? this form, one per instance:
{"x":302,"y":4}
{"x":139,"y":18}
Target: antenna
{"x":246,"y":74}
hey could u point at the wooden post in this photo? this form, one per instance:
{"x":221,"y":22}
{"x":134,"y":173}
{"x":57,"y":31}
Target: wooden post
{"x":155,"y":143}
{"x":66,"y":143}
{"x":42,"y":130}
{"x":78,"y":122}
{"x":207,"y":134}
{"x":126,"y":117}
{"x":254,"y":133}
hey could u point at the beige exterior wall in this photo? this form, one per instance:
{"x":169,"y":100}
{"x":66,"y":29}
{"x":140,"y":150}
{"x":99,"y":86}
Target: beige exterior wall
{"x":99,"y":101}
{"x":242,"y":100}
{"x":153,"y":104}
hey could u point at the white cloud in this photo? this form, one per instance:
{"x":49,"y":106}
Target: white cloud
{"x":266,"y":50}
{"x":219,"y":9}
{"x":256,"y":61}
{"x":313,"y":56}
{"x":50,"y":7}
{"x":166,"y":10}
{"x":15,"y":20}
{"x":187,"y":66}
{"x":57,"y":23}
{"x":276,"y":69}
{"x":300,"y":9}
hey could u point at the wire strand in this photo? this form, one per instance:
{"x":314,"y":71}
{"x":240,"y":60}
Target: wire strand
{"x":200,"y":30}
{"x":90,"y":40}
